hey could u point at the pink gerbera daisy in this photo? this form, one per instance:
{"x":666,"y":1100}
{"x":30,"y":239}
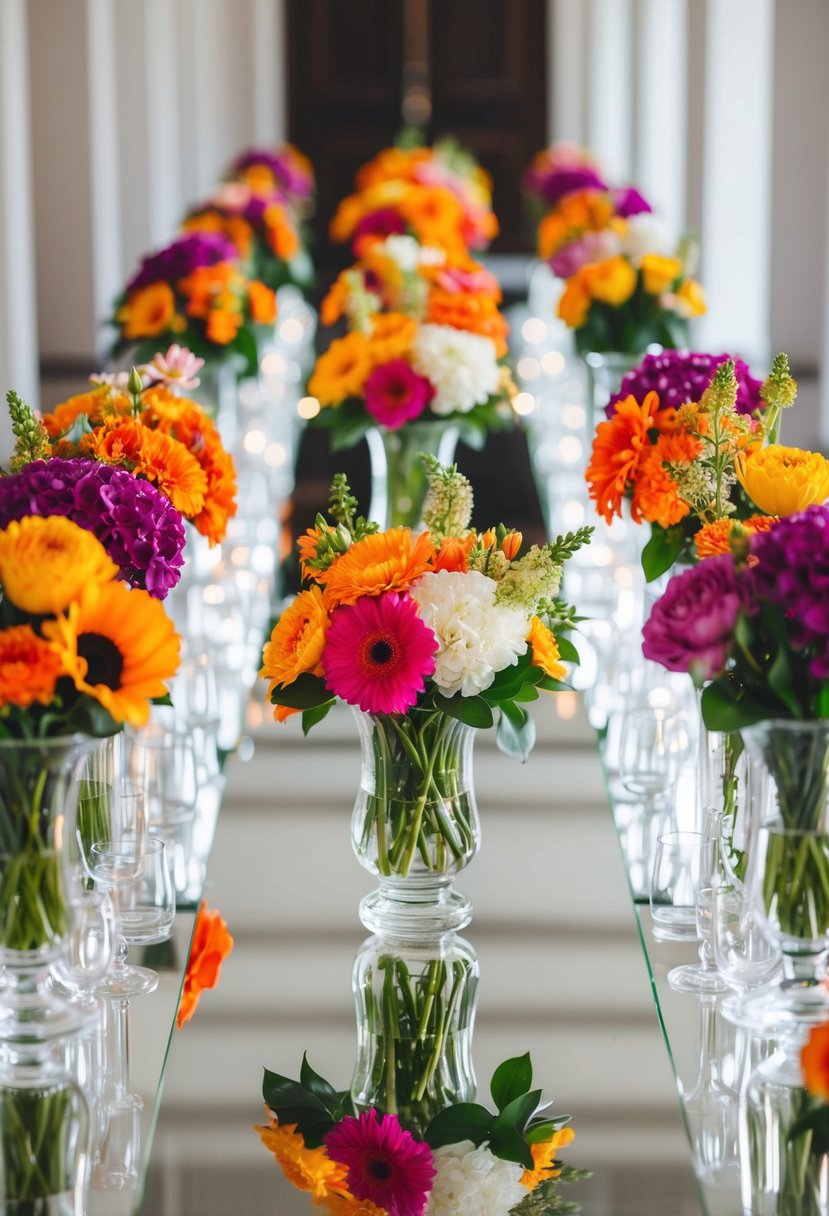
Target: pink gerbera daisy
{"x":178,"y":368}
{"x":395,"y":393}
{"x":386,"y":1165}
{"x":378,"y":653}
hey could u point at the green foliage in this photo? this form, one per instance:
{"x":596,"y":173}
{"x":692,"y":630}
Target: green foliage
{"x":565,"y":546}
{"x":661,"y":551}
{"x":32,"y":440}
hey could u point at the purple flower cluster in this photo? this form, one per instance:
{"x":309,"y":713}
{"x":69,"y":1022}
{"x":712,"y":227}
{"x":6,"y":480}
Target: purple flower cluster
{"x":627,"y":201}
{"x":681,"y":376}
{"x":792,"y":572}
{"x":550,"y":186}
{"x":138,"y":526}
{"x":287,"y":173}
{"x":181,"y":257}
{"x":691,"y":626}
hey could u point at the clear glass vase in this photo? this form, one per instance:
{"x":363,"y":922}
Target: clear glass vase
{"x":724,"y":786}
{"x":605,"y":371}
{"x":415,"y":822}
{"x":398,"y":478}
{"x":415,"y":1002}
{"x":781,"y":1174}
{"x":44,"y":1134}
{"x":39,"y":787}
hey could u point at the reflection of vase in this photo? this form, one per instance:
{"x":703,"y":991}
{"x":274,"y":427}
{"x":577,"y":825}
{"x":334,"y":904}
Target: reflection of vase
{"x":398,"y":478}
{"x":605,"y":371}
{"x":38,"y":800}
{"x":781,"y":1174}
{"x":44,"y":1134}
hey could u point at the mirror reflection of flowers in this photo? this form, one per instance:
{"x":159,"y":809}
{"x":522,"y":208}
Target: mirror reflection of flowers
{"x":209,"y":948}
{"x":691,"y":472}
{"x":284,"y":169}
{"x":426,"y":341}
{"x":449,"y":618}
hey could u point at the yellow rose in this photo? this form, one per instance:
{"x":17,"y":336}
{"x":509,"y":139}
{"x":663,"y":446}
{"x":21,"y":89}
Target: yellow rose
{"x":659,"y":272}
{"x":612,"y":281}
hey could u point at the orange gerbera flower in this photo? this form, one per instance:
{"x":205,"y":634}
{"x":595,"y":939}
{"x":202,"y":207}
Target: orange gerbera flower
{"x":545,"y":650}
{"x":308,"y":545}
{"x":389,"y":164}
{"x":342,"y":371}
{"x":176,"y":472}
{"x":385,"y":561}
{"x":544,"y":1155}
{"x":118,"y":441}
{"x":392,"y":336}
{"x":814,"y":1060}
{"x":281,"y":233}
{"x":472,"y":311}
{"x":297,"y":641}
{"x":205,"y":284}
{"x":715,"y":538}
{"x":209,"y":948}
{"x":262,"y":302}
{"x":29,"y":668}
{"x":345,"y":1205}
{"x":433,"y":212}
{"x":308,"y":1169}
{"x":333,"y":305}
{"x":619,"y":446}
{"x":95,"y":404}
{"x":148,"y":312}
{"x":454,"y":551}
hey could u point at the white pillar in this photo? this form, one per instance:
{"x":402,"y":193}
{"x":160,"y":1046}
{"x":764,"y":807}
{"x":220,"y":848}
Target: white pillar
{"x":662,"y":107}
{"x":18,"y":331}
{"x":162,"y":58}
{"x":270,"y":77}
{"x":736,"y":183}
{"x":610,"y":86}
{"x":566,"y":67}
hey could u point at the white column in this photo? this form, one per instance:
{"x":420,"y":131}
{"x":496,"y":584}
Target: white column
{"x":105,"y":178}
{"x":567,"y":78}
{"x":736,"y":201}
{"x":162,"y":58}
{"x":270,"y":77}
{"x":18,"y":331}
{"x":662,"y":107}
{"x":610,"y":86}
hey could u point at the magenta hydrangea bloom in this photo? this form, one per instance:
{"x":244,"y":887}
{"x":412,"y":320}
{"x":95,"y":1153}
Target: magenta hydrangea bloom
{"x":691,"y":626}
{"x":386,"y":1165}
{"x":792,"y":572}
{"x":378,"y":653}
{"x":628,"y":201}
{"x":550,"y":186}
{"x":287,"y":172}
{"x":138,"y":526}
{"x":679,"y":376}
{"x":181,"y":257}
{"x":385,"y":221}
{"x":394,"y":393}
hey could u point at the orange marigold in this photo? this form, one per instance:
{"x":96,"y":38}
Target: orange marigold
{"x":118,"y":441}
{"x":472,"y":311}
{"x":96,"y":404}
{"x":333,"y":305}
{"x":297,"y":641}
{"x":385,"y":561}
{"x":574,"y":302}
{"x":715,"y":538}
{"x":435,"y":215}
{"x":223,"y":326}
{"x":205,"y":284}
{"x":544,"y":1155}
{"x":392,"y":336}
{"x":262,"y":303}
{"x":281,"y":233}
{"x":210,"y":947}
{"x":176,"y":472}
{"x":29,"y":668}
{"x":308,"y":1169}
{"x":545,"y":650}
{"x":619,"y":446}
{"x":148,"y":312}
{"x":814,"y":1060}
{"x":656,"y":495}
{"x":342,"y":371}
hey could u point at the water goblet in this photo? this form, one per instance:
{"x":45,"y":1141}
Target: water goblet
{"x":703,"y":978}
{"x":681,"y":858}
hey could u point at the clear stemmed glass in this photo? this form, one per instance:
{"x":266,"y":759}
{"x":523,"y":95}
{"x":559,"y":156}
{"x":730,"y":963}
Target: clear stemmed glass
{"x":680,"y":859}
{"x":703,"y":978}
{"x":745,"y":957}
{"x":161,"y":761}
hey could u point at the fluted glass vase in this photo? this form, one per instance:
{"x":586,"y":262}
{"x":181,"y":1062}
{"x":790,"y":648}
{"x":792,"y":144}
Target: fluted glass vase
{"x":398,"y":478}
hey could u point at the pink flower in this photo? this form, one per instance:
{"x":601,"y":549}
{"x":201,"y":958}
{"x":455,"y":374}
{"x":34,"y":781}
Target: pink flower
{"x":109,"y":379}
{"x":386,"y":1165}
{"x":378,"y":653}
{"x":691,"y":627}
{"x":176,"y":369}
{"x":592,"y":247}
{"x":395,"y":393}
{"x":455,"y":280}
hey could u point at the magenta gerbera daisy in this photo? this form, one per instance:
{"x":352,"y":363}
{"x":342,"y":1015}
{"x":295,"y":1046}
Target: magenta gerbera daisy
{"x":395,"y":393}
{"x":378,"y":653}
{"x":386,"y":1165}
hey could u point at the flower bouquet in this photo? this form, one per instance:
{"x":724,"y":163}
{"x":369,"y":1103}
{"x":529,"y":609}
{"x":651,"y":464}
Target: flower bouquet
{"x":700,"y":474}
{"x":194,"y":291}
{"x":467,"y":1159}
{"x":164,"y":442}
{"x":554,"y":173}
{"x":438,"y":195}
{"x":285,"y":170}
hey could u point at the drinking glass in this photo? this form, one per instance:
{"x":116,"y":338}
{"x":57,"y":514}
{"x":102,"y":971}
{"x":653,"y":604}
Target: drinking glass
{"x":703,"y":978}
{"x":653,"y":747}
{"x":681,"y":859}
{"x":161,"y":761}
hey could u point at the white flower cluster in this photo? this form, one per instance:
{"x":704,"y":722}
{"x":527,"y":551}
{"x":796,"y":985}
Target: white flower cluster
{"x":472,"y":1181}
{"x":462,"y":367}
{"x":646,"y":234}
{"x":409,"y":253}
{"x":447,"y":508}
{"x":476,"y":636}
{"x":531,"y":583}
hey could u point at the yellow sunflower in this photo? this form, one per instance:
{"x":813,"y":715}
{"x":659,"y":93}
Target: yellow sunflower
{"x":47,"y":561}
{"x":308,"y":1169}
{"x":118,"y":645}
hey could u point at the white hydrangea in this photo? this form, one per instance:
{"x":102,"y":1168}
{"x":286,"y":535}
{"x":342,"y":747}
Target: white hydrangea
{"x":463,"y":367}
{"x":477,"y":637}
{"x":473,"y":1182}
{"x":646,"y":234}
{"x":409,"y":253}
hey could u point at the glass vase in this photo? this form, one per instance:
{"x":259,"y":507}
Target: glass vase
{"x":604,"y":371}
{"x":781,"y":1174}
{"x":415,"y":1000}
{"x":724,"y":787}
{"x":415,"y":822}
{"x":398,"y":478}
{"x":39,"y":787}
{"x":44,"y":1134}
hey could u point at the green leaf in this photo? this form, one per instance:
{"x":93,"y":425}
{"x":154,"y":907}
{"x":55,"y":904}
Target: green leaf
{"x":537,"y":1133}
{"x":474,"y":711}
{"x":529,"y":692}
{"x":721,"y":710}
{"x":511,"y":679}
{"x":518,"y":1113}
{"x":509,"y":1145}
{"x":317,"y":1085}
{"x":780,"y":680}
{"x":661,"y":551}
{"x":817,"y":1122}
{"x":245,"y":344}
{"x":464,"y":1121}
{"x":567,"y":650}
{"x":306,"y":692}
{"x":310,"y":717}
{"x":511,"y":1079}
{"x":516,"y":731}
